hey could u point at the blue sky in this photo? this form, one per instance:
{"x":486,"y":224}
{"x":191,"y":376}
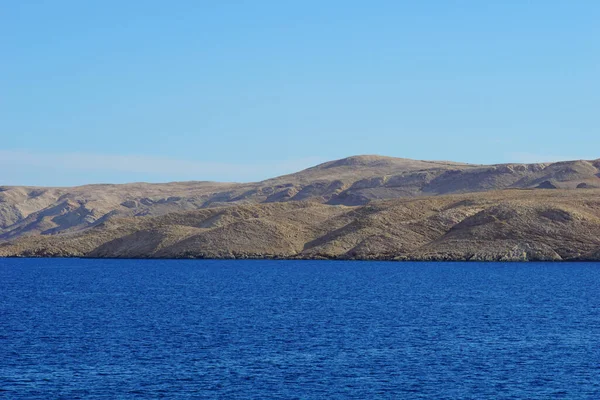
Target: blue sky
{"x":120,"y":91}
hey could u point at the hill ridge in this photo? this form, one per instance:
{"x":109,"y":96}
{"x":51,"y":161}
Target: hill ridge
{"x":350,"y":181}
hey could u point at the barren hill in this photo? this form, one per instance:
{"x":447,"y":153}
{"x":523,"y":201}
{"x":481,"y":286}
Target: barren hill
{"x":499,"y":225}
{"x":349,"y":182}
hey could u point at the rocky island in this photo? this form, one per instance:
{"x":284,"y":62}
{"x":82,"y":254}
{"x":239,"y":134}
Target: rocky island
{"x":362,"y":207}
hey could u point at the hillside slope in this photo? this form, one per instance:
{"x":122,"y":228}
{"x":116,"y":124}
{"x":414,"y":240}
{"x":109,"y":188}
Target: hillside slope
{"x":351,"y":181}
{"x":498,"y":225}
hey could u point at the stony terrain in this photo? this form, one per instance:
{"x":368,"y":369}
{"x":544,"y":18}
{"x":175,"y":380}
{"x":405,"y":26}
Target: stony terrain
{"x":351,"y":181}
{"x":359,"y":207}
{"x":510,"y":225}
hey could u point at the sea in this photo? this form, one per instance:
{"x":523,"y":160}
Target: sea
{"x":266,"y":329}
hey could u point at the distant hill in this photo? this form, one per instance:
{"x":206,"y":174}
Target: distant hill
{"x":352,"y":181}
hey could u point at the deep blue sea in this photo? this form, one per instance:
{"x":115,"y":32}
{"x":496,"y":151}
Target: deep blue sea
{"x":107,"y":329}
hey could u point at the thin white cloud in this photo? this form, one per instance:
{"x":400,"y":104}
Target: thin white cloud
{"x":163,"y":167}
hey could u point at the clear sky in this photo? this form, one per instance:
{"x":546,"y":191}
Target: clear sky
{"x":143,"y":90}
